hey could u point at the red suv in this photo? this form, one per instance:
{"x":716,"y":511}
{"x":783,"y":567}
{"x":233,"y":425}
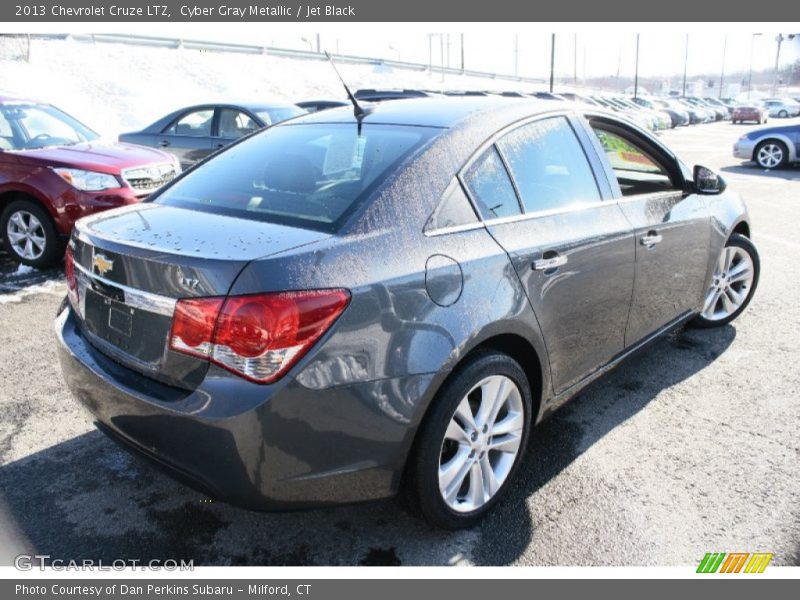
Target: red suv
{"x":54,"y":170}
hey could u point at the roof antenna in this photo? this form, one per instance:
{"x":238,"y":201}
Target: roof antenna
{"x":359,"y":111}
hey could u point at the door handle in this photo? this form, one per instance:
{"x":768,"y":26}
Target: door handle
{"x":651,"y":239}
{"x":553,"y":262}
{"x":218,"y":146}
{"x":164,"y":143}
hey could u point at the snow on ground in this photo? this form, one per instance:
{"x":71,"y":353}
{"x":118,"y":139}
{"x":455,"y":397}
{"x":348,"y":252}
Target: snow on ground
{"x":116,"y":87}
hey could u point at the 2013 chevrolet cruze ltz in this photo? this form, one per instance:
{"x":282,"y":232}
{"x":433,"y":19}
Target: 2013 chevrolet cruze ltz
{"x":338,"y":308}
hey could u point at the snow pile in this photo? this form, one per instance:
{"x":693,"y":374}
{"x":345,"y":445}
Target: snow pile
{"x":116,"y":87}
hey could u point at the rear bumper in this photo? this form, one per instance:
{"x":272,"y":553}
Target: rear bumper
{"x":261,"y":447}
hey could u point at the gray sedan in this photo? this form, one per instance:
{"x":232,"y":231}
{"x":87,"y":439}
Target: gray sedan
{"x":770,"y":147}
{"x":341,"y":307}
{"x":194,"y":132}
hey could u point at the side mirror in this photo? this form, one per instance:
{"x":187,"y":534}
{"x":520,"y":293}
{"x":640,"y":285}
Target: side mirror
{"x":707,"y":181}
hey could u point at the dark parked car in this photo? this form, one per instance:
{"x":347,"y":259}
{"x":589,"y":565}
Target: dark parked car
{"x":328,"y":312}
{"x":54,"y":170}
{"x":194,"y":132}
{"x":770,"y":147}
{"x":317,"y":105}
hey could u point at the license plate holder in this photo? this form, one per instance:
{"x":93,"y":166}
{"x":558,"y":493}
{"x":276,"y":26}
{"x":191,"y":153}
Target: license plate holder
{"x":120,"y":320}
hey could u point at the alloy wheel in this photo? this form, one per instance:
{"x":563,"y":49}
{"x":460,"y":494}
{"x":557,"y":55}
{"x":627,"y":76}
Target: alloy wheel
{"x":26,"y":235}
{"x":481,"y":443}
{"x":731,"y":284}
{"x":770,"y":156}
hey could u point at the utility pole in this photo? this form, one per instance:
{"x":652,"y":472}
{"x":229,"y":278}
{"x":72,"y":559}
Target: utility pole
{"x":319,"y":47}
{"x":685,"y":63}
{"x":462,"y":52}
{"x":448,"y":50}
{"x":722,"y":73}
{"x":750,"y":73}
{"x":430,"y":53}
{"x":575,"y":60}
{"x":441,"y":52}
{"x":636,"y":71}
{"x":552,"y":59}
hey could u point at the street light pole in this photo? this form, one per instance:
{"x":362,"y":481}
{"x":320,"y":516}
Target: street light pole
{"x":685,"y":63}
{"x":636,"y":71}
{"x":552,"y":59}
{"x":778,"y":39}
{"x":462,"y":52}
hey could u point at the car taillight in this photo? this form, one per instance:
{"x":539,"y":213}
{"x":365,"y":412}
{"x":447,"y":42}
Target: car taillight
{"x":72,"y":282}
{"x":259,"y":337}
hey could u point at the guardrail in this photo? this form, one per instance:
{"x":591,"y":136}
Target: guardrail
{"x":168,"y":42}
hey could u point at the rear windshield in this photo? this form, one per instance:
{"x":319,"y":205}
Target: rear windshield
{"x":306,"y":175}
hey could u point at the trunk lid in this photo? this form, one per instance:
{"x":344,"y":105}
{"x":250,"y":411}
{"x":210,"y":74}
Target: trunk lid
{"x":133,"y":263}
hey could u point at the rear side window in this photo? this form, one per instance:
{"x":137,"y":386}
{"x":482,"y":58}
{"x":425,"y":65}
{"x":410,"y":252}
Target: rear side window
{"x":454,"y":209}
{"x":306,"y":175}
{"x":490,"y":187}
{"x":549,"y":166}
{"x":235,"y":123}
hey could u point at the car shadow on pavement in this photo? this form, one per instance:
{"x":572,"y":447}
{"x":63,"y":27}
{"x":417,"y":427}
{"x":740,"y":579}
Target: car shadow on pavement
{"x":86,"y":498}
{"x":14,"y":276}
{"x":561,"y":439}
{"x":788,"y":173}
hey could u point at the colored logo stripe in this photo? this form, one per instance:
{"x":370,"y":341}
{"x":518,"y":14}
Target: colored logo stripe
{"x":714,"y":562}
{"x":758,"y":563}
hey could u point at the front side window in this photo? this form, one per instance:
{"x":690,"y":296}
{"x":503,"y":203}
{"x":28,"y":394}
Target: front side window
{"x":193,"y":124}
{"x":307,"y":175}
{"x":490,"y":187}
{"x":549,"y":166}
{"x":637,"y":170}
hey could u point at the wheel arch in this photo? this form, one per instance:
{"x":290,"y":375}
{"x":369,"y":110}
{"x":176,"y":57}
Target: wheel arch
{"x":9,"y":195}
{"x":742,"y":228}
{"x":519,"y":348}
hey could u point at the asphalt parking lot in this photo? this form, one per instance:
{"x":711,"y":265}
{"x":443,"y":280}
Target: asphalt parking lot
{"x":690,"y":447}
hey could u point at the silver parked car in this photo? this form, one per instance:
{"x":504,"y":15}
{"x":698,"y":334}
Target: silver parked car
{"x":343,"y":306}
{"x":777,"y":107}
{"x":770,"y":147}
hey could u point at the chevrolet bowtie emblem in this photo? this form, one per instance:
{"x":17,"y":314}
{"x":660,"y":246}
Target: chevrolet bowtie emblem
{"x":101,"y":264}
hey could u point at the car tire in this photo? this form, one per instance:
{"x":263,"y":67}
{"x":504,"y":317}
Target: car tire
{"x":783,"y":114}
{"x":733,"y":283}
{"x":39,"y":246}
{"x":446,"y":437}
{"x":771,"y":154}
